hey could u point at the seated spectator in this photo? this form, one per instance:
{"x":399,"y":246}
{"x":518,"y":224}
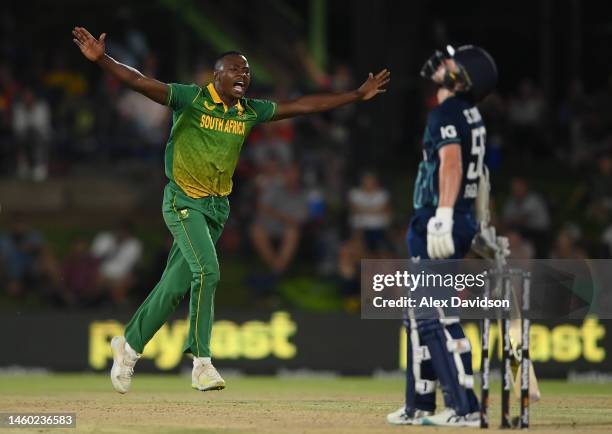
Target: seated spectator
{"x":281,"y":211}
{"x":119,"y":253}
{"x":526,"y":212}
{"x":272,"y":141}
{"x":520,"y":248}
{"x":80,"y":271}
{"x":20,"y":250}
{"x":527,"y":108}
{"x":349,"y":265}
{"x":147,"y":119}
{"x":270,"y":176}
{"x":567,"y":245}
{"x":371,"y":213}
{"x":48,"y":283}
{"x":32,"y":129}
{"x":525,"y":116}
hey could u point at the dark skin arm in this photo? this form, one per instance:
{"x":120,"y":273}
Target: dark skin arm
{"x":449,"y":178}
{"x":323,"y":102}
{"x":94,"y":50}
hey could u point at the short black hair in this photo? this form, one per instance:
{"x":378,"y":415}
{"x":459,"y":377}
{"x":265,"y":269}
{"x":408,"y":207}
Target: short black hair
{"x":220,"y":57}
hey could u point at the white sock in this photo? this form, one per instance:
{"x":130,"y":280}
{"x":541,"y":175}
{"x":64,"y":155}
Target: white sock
{"x":133,"y":354}
{"x":201,"y":361}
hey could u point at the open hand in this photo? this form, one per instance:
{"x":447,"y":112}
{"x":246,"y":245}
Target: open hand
{"x":91,"y":47}
{"x":374,"y":84}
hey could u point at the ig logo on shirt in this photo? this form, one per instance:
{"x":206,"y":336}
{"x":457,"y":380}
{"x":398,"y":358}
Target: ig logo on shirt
{"x":448,"y":132}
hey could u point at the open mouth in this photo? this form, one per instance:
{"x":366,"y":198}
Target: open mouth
{"x":239,"y":87}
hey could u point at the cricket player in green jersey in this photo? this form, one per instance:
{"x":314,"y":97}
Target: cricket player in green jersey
{"x":210,"y":124}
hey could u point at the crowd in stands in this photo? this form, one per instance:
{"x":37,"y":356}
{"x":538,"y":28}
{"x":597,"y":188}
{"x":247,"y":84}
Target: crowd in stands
{"x":295,"y":201}
{"x":100,"y":272}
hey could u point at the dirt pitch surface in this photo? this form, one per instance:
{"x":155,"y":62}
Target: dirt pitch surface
{"x":167,"y":404}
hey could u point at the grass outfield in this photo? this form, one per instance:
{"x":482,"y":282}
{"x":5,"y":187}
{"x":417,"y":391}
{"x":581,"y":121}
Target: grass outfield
{"x":167,"y":404}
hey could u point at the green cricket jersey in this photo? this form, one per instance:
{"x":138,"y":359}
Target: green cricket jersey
{"x":206,"y":137}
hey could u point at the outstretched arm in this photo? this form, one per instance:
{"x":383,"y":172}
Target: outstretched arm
{"x":322,"y":102}
{"x":94,"y":50}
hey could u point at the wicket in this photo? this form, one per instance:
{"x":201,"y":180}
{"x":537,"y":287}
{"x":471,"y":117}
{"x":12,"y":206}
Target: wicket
{"x":506,"y":369}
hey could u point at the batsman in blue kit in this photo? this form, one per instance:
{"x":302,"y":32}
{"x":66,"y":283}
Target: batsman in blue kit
{"x":443,"y":226}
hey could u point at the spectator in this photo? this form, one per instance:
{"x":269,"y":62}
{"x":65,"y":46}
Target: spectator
{"x":270,"y":176}
{"x":80,"y":276}
{"x":130,"y":44}
{"x":281,"y":211}
{"x":371,"y":214}
{"x":525,"y":115}
{"x":272,"y":141}
{"x":148,"y":120}
{"x":20,"y":250}
{"x":567,"y":244}
{"x":570,"y":114}
{"x":62,"y":78}
{"x":32,"y":129}
{"x":526,"y":212}
{"x":349,"y":265}
{"x":119,"y":253}
{"x":520,"y":248}
{"x":527,"y":108}
{"x":48,"y":274}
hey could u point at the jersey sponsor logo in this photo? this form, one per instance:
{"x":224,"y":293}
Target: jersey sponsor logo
{"x":209,"y":107}
{"x":223,"y":125}
{"x":448,"y":132}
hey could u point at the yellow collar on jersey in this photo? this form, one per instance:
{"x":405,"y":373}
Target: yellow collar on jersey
{"x":217,"y":99}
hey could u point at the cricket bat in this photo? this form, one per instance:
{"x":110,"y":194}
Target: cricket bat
{"x":515,"y":342}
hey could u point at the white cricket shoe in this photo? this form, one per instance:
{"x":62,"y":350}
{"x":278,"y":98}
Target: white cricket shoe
{"x":123,"y":364}
{"x":448,"y":417}
{"x":205,"y":377}
{"x":399,"y":417}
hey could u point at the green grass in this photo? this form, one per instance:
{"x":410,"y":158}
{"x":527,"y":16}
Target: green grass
{"x":166,"y":404}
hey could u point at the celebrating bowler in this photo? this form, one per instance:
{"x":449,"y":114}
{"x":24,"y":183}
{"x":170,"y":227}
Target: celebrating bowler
{"x":210,"y":125}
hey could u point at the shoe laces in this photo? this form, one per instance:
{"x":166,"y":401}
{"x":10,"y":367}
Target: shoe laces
{"x":127,"y":370}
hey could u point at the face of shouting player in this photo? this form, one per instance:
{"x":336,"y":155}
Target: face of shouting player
{"x":233,"y":77}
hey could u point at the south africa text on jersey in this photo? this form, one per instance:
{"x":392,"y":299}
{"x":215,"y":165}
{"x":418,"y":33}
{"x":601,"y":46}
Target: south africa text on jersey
{"x":222,"y":125}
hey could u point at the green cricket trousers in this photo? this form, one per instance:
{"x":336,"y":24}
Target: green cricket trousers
{"x":196,"y":225}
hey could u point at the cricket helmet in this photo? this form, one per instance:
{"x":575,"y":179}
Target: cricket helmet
{"x":476,"y":70}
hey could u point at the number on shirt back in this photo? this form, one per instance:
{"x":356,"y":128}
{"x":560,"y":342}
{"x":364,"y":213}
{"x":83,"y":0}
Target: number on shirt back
{"x":475,"y":167}
{"x":478,"y":150}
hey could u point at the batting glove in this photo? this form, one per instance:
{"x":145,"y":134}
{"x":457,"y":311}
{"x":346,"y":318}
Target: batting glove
{"x":440,"y":243}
